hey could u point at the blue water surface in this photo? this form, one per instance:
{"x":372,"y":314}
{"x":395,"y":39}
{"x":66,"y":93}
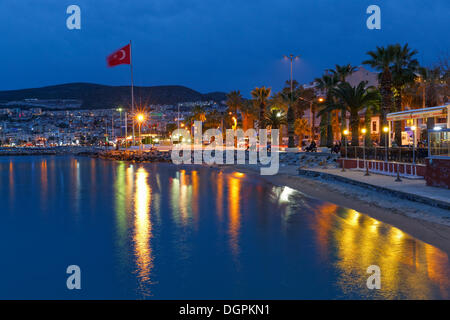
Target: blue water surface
{"x":161,"y":231}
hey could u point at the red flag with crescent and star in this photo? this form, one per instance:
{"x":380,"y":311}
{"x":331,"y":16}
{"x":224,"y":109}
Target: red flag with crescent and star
{"x":121,"y":56}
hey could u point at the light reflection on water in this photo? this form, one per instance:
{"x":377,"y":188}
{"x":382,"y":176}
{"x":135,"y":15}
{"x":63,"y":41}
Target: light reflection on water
{"x":162,"y":231}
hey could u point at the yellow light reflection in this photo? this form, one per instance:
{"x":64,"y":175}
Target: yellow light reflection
{"x":219,"y":198}
{"x":234,"y":186}
{"x":44,"y":185}
{"x":409,"y":268}
{"x":143,"y":228}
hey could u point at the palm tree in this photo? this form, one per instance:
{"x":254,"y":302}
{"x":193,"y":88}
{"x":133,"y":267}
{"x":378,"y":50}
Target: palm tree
{"x":430,"y":78}
{"x":355,"y":99}
{"x":198,"y":113}
{"x":249,"y":113}
{"x":342,"y":72}
{"x":234,"y":101}
{"x":275,"y":118}
{"x":213,"y":120}
{"x":382,"y":59}
{"x":260,"y":98}
{"x":403,"y":73}
{"x":301,"y":129}
{"x":288,"y":101}
{"x":327,"y":83}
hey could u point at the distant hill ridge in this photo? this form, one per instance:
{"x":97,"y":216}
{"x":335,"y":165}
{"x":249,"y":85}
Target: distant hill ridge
{"x":97,"y":96}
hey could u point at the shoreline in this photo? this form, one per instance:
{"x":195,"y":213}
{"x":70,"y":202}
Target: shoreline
{"x":414,"y":219}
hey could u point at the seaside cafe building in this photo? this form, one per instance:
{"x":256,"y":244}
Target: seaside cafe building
{"x":436,"y":122}
{"x":431,"y":120}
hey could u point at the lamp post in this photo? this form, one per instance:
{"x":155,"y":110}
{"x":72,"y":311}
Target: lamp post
{"x":140,"y":118}
{"x":386,"y":131}
{"x":345,"y":142}
{"x":290,"y":112}
{"x":364,"y":131}
{"x":120,"y":119}
{"x":413,"y":128}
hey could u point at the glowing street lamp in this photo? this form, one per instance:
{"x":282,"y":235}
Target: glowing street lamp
{"x":120,"y":118}
{"x":386,"y":131}
{"x":413,"y":128}
{"x":345,"y":142}
{"x":140,"y":118}
{"x":364,"y":131}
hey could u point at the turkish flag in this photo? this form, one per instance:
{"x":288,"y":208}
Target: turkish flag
{"x":121,"y":56}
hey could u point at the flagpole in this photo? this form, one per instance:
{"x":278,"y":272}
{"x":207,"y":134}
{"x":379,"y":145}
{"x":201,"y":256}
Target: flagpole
{"x":132,"y":89}
{"x":126,"y":133}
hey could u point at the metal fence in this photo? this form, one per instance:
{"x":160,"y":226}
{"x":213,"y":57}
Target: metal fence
{"x":381,"y":153}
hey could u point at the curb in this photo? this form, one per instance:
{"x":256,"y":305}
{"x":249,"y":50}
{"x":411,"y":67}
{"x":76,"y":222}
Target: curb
{"x":400,"y":194}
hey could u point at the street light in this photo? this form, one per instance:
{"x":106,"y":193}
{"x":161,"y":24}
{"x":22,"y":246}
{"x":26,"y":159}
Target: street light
{"x":413,"y":128}
{"x":120,"y":119}
{"x":386,"y":130}
{"x":290,"y":111}
{"x":345,"y":142}
{"x":364,"y":131}
{"x":140,"y":118}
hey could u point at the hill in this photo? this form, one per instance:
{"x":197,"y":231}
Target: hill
{"x":96,"y":96}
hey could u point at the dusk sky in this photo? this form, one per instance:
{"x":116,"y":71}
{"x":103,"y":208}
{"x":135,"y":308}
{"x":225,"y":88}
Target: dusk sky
{"x":206,"y":45}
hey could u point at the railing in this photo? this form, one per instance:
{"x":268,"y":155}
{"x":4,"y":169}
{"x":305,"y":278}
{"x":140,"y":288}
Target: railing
{"x":407,"y":170}
{"x":393,"y":154}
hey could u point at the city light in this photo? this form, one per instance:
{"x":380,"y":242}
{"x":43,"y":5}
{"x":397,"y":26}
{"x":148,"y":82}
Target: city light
{"x":321,"y":99}
{"x":364,"y":130}
{"x":346,"y":132}
{"x":386,"y":129}
{"x":140,"y":117}
{"x":413,"y":128}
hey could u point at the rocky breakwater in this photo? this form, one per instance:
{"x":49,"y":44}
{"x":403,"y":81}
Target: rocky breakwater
{"x":136,"y":156}
{"x":317,"y":160}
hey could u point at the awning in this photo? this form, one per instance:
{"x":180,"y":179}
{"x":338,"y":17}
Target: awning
{"x":440,"y":111}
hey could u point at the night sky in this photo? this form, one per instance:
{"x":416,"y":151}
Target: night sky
{"x":207,"y":45}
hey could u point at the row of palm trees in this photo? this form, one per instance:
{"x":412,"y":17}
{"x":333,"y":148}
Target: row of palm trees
{"x":401,"y":79}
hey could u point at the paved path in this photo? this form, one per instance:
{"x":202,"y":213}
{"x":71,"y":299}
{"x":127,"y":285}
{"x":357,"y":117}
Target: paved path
{"x":411,"y":186}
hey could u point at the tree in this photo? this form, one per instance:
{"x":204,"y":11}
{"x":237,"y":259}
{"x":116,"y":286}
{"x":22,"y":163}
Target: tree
{"x":275,"y":118}
{"x":403,"y":73}
{"x":234,"y":101}
{"x":327,"y":83}
{"x":249,"y":113}
{"x":355,"y":99}
{"x":301,"y":129}
{"x":342,"y":72}
{"x":260,"y":98}
{"x":213,"y":120}
{"x":381,"y":60}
